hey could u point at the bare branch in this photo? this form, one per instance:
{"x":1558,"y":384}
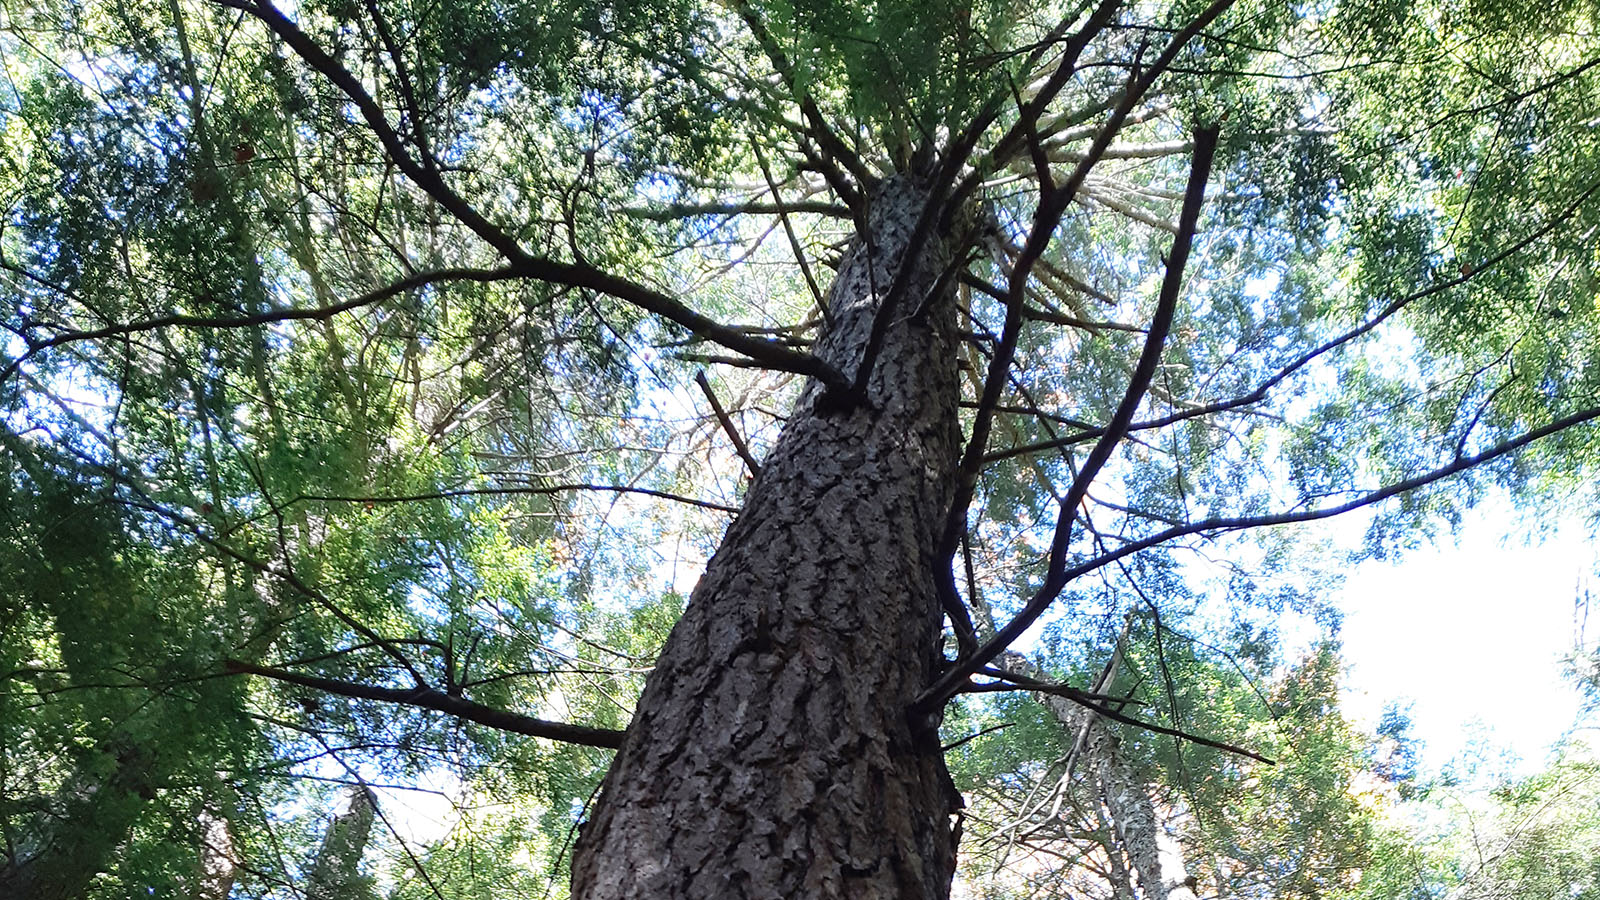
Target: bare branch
{"x":524,"y":263}
{"x":753,"y":207}
{"x":428,"y":698}
{"x":1315,"y":353}
{"x":1052,"y":204}
{"x":1101,"y":705}
{"x":1224,"y":524}
{"x":509,"y":490}
{"x":320,"y":313}
{"x":727,"y":425}
{"x":1144,"y":371}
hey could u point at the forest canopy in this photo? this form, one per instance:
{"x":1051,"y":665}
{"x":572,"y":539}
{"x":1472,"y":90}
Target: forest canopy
{"x":379,"y":377}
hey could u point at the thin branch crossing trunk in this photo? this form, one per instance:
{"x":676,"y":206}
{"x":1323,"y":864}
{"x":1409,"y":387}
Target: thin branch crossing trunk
{"x":336,"y":872}
{"x":218,"y":863}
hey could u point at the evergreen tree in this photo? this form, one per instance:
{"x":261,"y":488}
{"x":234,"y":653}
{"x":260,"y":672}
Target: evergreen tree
{"x":346,"y":404}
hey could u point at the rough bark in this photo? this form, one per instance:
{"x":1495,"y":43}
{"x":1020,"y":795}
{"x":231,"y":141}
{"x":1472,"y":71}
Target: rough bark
{"x":1155,"y":856}
{"x":771,"y":754}
{"x":1117,"y":866}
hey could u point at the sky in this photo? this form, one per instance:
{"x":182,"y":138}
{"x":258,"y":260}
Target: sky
{"x":1471,"y":632}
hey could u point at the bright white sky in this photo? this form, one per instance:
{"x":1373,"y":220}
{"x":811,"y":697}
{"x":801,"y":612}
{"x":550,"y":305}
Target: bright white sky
{"x":1472,"y":632}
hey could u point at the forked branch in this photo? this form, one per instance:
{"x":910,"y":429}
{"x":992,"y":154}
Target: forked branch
{"x":1144,"y":371}
{"x":577,"y":274}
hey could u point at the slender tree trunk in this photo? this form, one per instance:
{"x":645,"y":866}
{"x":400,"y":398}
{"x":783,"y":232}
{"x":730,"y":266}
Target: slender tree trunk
{"x":216,"y":865}
{"x":336,"y":872}
{"x":771,"y":755}
{"x":1156,"y":856}
{"x":1116,"y":864}
{"x":1157,"y":859}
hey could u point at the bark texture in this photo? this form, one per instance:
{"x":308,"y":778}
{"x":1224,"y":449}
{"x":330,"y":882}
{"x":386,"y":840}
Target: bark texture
{"x":771,"y":755}
{"x":336,"y":872}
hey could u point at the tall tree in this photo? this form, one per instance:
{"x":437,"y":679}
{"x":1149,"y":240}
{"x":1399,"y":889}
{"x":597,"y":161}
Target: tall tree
{"x":358,"y":309}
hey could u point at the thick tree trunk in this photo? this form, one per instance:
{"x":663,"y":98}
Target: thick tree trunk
{"x":771,"y":755}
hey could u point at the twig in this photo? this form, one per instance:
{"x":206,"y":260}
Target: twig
{"x":975,"y":735}
{"x":727,"y":425}
{"x":794,"y":239}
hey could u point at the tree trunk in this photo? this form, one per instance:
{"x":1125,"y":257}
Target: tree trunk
{"x":217,"y":864}
{"x":771,"y":755}
{"x":63,"y":850}
{"x":1157,"y":859}
{"x":336,"y":872}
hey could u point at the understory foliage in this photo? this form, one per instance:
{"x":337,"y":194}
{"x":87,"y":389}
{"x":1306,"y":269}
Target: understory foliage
{"x":353,"y":456}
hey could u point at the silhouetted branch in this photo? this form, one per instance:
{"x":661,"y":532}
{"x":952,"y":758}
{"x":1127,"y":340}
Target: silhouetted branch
{"x":524,"y":263}
{"x":727,"y":425}
{"x":320,"y":313}
{"x":1144,"y":370}
{"x":1315,"y":353}
{"x":753,"y":207}
{"x":950,"y":683}
{"x":515,"y":489}
{"x":1100,"y":705}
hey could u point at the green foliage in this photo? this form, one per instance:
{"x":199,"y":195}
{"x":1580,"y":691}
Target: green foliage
{"x":1527,"y":836}
{"x":1302,"y":827}
{"x":222,"y":449}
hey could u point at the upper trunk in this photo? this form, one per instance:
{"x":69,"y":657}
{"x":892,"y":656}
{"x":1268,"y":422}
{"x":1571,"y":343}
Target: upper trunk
{"x":218,"y":861}
{"x":771,"y":753}
{"x":336,"y":872}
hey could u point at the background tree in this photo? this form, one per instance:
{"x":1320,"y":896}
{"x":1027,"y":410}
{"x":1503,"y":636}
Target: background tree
{"x":1491,"y":824}
{"x":348,"y":383}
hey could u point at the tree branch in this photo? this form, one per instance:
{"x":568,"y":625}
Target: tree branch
{"x":1101,"y":705}
{"x":428,"y":698}
{"x":516,"y":489}
{"x":788,"y":229}
{"x":524,"y":263}
{"x":727,"y":425}
{"x":321,"y":313}
{"x":1309,"y":356}
{"x":838,"y":159}
{"x":1144,"y":371}
{"x":755,"y":207}
{"x":951,"y":682}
